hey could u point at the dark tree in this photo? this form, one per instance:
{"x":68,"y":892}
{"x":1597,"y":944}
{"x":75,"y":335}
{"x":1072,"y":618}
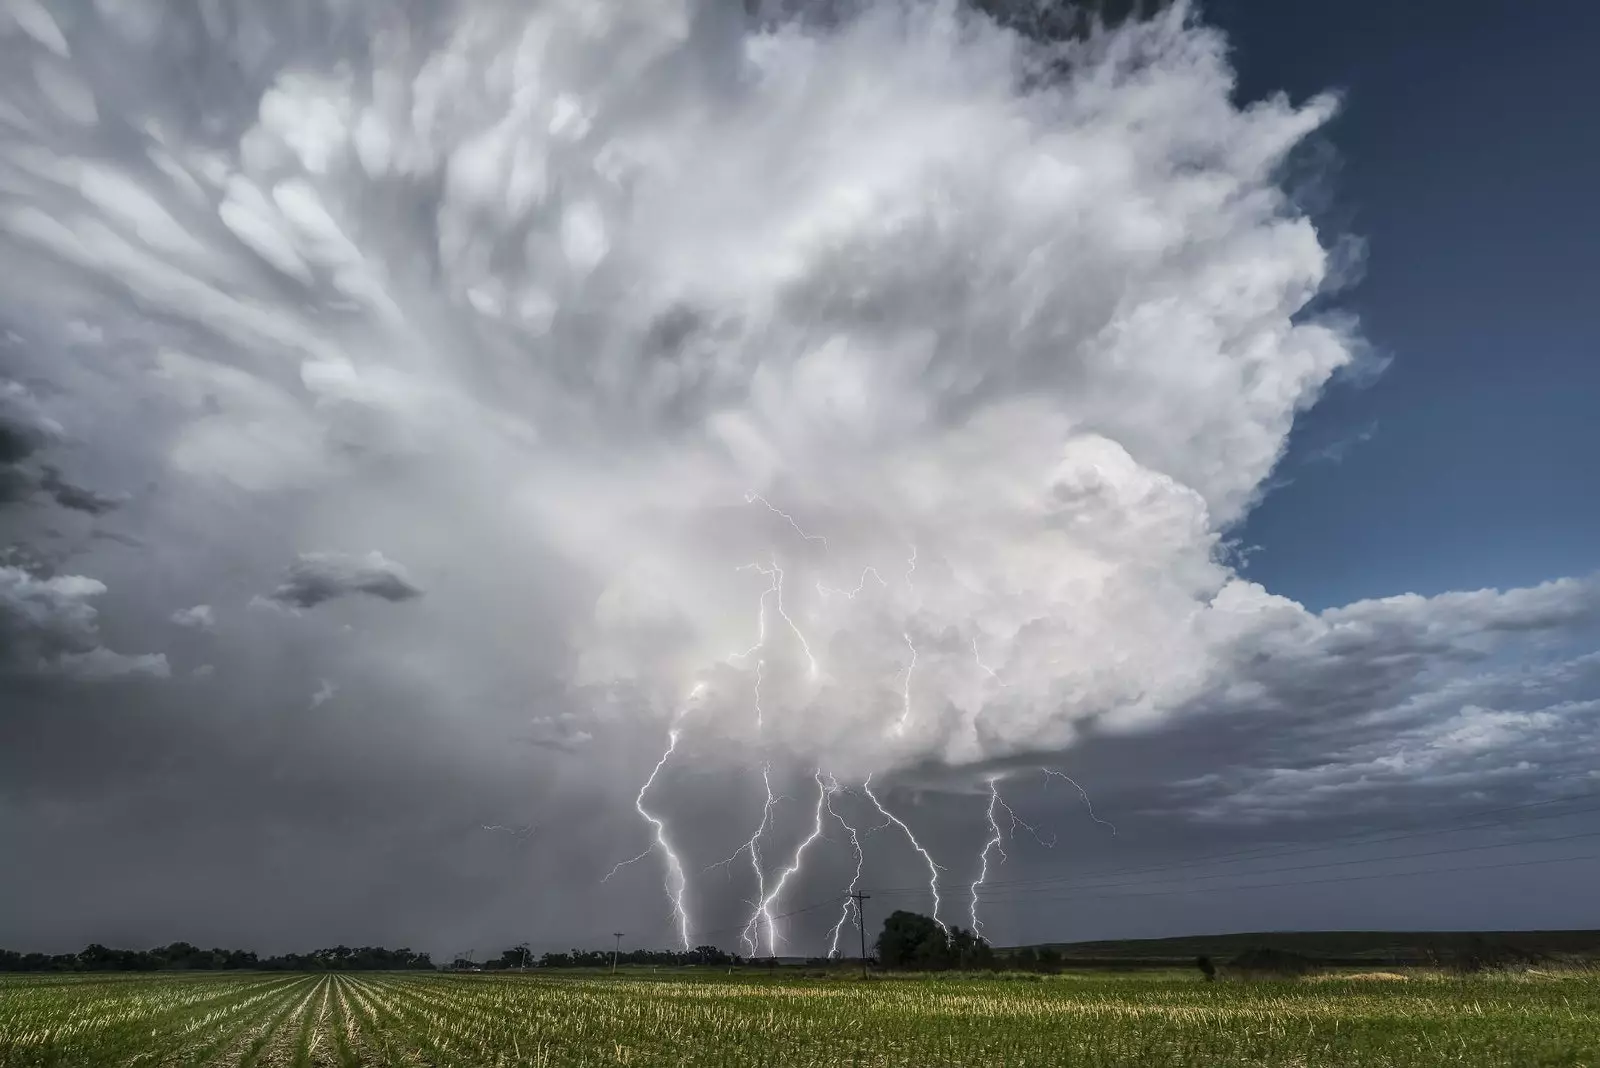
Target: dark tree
{"x":908,"y":939}
{"x":1207,"y":969}
{"x":911,"y":940}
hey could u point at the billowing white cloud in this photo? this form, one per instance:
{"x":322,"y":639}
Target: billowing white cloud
{"x":871,"y":398}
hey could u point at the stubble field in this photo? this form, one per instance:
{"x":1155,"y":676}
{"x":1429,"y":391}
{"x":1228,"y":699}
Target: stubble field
{"x":422,"y":1020}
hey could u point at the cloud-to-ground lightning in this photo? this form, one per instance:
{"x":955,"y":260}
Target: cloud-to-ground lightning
{"x":993,"y":843}
{"x":764,"y":909}
{"x":751,"y":934}
{"x":756,"y":498}
{"x":933,"y":869}
{"x":850,"y":904}
{"x":911,"y":569}
{"x":677,"y":883}
{"x":1088,"y":804}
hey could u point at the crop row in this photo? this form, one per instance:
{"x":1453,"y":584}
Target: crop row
{"x":436,"y":1021}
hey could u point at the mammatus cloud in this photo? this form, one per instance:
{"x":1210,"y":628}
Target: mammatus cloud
{"x":873,"y":391}
{"x":316,"y":578}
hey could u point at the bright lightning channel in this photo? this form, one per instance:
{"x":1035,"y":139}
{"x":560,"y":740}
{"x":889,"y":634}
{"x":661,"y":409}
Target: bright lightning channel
{"x":1088,"y":804}
{"x":756,"y":498}
{"x":761,"y":667}
{"x":764,"y":910}
{"x":983,"y":857}
{"x":985,"y":668}
{"x":751,"y":934}
{"x":676,"y":882}
{"x":995,"y":837}
{"x":850,"y":904}
{"x":905,"y":711}
{"x":774,"y":575}
{"x":851,"y":595}
{"x":933,"y":869}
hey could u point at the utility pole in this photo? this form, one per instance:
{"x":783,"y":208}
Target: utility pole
{"x":615,"y":950}
{"x":861,"y":925}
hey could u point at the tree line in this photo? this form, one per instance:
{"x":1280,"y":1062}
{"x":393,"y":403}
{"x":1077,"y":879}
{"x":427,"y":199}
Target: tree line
{"x":181,"y":956}
{"x":522,"y":957}
{"x":909,"y":941}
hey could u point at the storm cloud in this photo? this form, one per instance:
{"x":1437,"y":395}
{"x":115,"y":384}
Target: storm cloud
{"x":316,"y":578}
{"x":875,"y":393}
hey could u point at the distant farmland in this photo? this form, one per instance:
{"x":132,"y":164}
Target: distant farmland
{"x":1378,"y":1020}
{"x":1394,"y":948}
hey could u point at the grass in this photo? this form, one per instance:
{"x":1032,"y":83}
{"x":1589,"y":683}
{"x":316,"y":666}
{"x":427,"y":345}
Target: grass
{"x":1532,"y":1019}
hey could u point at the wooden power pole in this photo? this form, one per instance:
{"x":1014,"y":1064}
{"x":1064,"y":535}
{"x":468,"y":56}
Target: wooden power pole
{"x":615,"y":950}
{"x":861,"y":925}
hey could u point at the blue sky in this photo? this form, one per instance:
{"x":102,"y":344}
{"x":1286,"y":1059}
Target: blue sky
{"x":1468,"y":161}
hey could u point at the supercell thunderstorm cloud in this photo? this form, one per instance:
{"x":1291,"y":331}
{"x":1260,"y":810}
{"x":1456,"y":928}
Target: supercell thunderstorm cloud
{"x":703,"y":404}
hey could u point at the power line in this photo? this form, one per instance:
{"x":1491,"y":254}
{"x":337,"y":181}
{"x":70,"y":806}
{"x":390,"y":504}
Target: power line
{"x":1034,"y":887}
{"x":1319,"y":882}
{"x":1021,"y":892}
{"x":1343,"y":841}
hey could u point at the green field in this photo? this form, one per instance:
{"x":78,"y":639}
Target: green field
{"x":1080,"y":1020}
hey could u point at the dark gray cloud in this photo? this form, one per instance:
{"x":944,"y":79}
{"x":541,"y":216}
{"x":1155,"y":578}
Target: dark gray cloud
{"x":199,"y":617}
{"x":49,"y":626}
{"x":316,"y":578}
{"x":76,"y":498}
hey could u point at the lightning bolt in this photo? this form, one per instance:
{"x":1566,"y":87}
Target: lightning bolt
{"x":855,"y":881}
{"x":1083,"y":794}
{"x":933,"y":869}
{"x":851,"y":595}
{"x":985,"y":668}
{"x":752,"y":930}
{"x":764,"y":910}
{"x":983,"y":857}
{"x":761,"y":667}
{"x":676,"y":882}
{"x":525,"y":831}
{"x":774,"y":575}
{"x":911,"y":567}
{"x":905,"y":713}
{"x":756,"y":498}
